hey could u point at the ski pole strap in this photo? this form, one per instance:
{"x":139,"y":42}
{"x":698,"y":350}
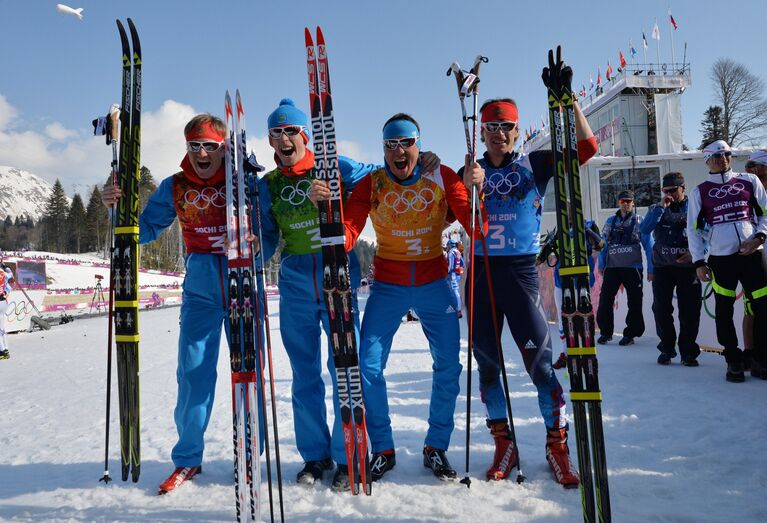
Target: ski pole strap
{"x":580,"y":269}
{"x":126,"y":230}
{"x":581,"y":351}
{"x":585,"y":396}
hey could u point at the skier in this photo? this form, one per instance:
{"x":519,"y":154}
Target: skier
{"x":672,"y":269}
{"x":408,"y":203}
{"x":621,"y":264}
{"x":756,"y":164}
{"x":514,"y":187}
{"x":455,"y":266}
{"x":287,"y":211}
{"x":6,"y":278}
{"x":731,"y":206}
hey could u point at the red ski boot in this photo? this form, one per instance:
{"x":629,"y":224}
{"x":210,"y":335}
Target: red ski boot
{"x":506,"y":456}
{"x":558,"y":456}
{"x":180,"y":475}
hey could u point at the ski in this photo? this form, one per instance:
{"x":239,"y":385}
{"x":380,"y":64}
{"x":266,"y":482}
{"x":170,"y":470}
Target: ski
{"x":335,"y":261}
{"x":241,"y":312}
{"x":125,"y":255}
{"x":577,"y":310}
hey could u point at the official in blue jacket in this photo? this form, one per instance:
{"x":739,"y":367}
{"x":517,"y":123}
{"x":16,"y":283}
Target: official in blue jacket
{"x":621,"y":264}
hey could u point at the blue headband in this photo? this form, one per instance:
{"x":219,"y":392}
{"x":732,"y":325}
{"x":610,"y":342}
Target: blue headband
{"x":402,"y":129}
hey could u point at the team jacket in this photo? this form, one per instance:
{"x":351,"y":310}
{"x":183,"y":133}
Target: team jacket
{"x":730,"y":208}
{"x":514,"y":195}
{"x":408,"y":218}
{"x":455,"y":263}
{"x":199,"y":204}
{"x":624,"y":242}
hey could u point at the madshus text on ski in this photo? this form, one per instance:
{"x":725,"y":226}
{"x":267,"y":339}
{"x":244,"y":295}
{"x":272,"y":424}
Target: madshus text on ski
{"x":316,"y":203}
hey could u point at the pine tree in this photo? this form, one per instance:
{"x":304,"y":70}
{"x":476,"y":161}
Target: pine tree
{"x":96,"y":222}
{"x":76,"y":224}
{"x":54,"y":237}
{"x":712,"y":126}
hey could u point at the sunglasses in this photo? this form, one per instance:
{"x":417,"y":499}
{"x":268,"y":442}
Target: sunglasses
{"x":494,"y":127}
{"x":290,"y":130}
{"x":400,"y":142}
{"x":726,"y":154}
{"x":208,"y":146}
{"x":670,"y":190}
{"x":624,"y":200}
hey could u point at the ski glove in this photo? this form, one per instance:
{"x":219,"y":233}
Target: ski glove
{"x":557,"y":76}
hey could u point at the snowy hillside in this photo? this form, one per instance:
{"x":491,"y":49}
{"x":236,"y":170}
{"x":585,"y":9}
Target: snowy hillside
{"x":22,"y":194}
{"x":682,"y":444}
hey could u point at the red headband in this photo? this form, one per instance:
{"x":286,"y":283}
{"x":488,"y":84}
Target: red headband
{"x":204,"y":131}
{"x":500,"y":111}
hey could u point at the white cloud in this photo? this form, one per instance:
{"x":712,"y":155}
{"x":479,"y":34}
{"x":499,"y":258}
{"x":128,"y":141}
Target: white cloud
{"x":58,"y":132}
{"x":7,"y":113}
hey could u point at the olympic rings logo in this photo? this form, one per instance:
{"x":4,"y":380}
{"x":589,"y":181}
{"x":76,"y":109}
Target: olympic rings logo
{"x":207,"y":197}
{"x":724,"y":190}
{"x":500,"y":183}
{"x":409,"y":199}
{"x":17,"y":311}
{"x":296,"y":194}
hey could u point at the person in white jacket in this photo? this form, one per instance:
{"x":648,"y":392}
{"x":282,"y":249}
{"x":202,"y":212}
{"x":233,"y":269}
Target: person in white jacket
{"x":727,"y":212}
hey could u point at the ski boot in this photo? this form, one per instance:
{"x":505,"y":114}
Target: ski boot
{"x":558,"y":456}
{"x":506,"y":456}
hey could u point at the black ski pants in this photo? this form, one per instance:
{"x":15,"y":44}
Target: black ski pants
{"x":751,"y":272}
{"x":612,"y":279}
{"x":689,"y":299}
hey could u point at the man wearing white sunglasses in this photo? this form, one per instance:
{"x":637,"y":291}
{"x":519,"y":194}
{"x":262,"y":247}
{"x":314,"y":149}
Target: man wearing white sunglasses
{"x":729,"y":209}
{"x":515,"y":184}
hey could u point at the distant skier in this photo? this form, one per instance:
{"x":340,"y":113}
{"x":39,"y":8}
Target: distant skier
{"x":515,"y":184}
{"x":408,"y":203}
{"x":6,"y":278}
{"x":730,"y":207}
{"x":455,"y":266}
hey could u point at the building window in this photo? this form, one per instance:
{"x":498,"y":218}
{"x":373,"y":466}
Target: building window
{"x":644,"y":181}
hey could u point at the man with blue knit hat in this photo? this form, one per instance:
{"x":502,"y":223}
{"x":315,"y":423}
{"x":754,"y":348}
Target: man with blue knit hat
{"x":287,"y":212}
{"x":727,"y":211}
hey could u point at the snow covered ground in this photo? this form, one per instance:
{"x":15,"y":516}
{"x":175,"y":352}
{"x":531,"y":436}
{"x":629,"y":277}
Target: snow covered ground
{"x":682,"y":444}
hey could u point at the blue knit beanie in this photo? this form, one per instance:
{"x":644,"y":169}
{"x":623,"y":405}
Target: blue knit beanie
{"x":288,"y":114}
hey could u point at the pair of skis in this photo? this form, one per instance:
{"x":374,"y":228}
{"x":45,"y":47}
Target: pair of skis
{"x":577,"y":310}
{"x":124,"y":263}
{"x":245,"y":316}
{"x":335,"y":270}
{"x":468,"y":84}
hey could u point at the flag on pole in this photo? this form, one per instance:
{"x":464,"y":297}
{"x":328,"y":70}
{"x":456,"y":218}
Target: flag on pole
{"x":591,"y":79}
{"x":633,"y":51}
{"x":644,"y":41}
{"x":673,"y":22}
{"x":582,"y":93}
{"x":622,"y":59}
{"x":655,"y":31}
{"x":599,"y":78}
{"x":609,"y":70}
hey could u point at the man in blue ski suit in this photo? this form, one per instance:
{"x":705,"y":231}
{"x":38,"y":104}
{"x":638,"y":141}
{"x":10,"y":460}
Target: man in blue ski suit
{"x":515,"y":184}
{"x":197,"y":197}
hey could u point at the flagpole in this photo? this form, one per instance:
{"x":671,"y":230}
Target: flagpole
{"x":644,"y":49}
{"x":657,"y":46}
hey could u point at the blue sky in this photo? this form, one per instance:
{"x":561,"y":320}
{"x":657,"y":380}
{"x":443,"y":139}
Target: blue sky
{"x":58,"y":73}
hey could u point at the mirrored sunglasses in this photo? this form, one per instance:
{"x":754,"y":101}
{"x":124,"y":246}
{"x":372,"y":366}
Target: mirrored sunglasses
{"x":716,"y":156}
{"x":494,"y":127}
{"x":670,"y":190}
{"x":208,"y":146}
{"x":290,"y":130}
{"x":400,"y":142}
{"x":625,"y":200}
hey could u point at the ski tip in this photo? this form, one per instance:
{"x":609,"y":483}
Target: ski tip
{"x":308,"y":36}
{"x":320,"y":36}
